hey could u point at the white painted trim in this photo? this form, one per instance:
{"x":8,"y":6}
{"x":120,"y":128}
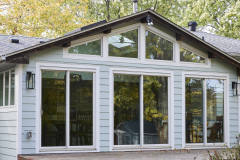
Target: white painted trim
{"x":141,"y":49}
{"x":141,"y":73}
{"x":18,"y":101}
{"x":238,"y":109}
{"x":9,"y":107}
{"x":195,"y":51}
{"x":68,"y":67}
{"x":207,"y":75}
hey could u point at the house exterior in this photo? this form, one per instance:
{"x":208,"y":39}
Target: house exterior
{"x":123,"y":85}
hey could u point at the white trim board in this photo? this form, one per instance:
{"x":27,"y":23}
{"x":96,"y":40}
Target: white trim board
{"x":141,"y":72}
{"x":68,"y":67}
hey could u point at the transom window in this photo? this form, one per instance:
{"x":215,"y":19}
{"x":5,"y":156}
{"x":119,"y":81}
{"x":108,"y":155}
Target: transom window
{"x":127,"y":109}
{"x":89,"y":48}
{"x":67,"y":109}
{"x":204,"y":100}
{"x":157,"y":47}
{"x":124,"y":44}
{"x":188,"y":56}
{"x":7,"y":88}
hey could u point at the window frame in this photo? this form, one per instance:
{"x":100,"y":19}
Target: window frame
{"x":104,"y":57}
{"x":9,"y":89}
{"x":68,"y":68}
{"x":202,"y":75}
{"x":81,"y":42}
{"x":194,"y":51}
{"x":141,"y":73}
{"x":164,"y":36}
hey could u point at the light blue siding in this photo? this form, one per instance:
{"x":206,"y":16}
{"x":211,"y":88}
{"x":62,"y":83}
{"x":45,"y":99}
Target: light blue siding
{"x":8,"y":135}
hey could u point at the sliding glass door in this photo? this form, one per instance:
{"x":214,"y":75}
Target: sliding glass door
{"x":67,"y":109}
{"x":204,"y":106}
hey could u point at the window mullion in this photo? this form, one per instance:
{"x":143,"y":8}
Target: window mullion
{"x":67,"y":109}
{"x":9,"y":88}
{"x":4,"y":89}
{"x":141,"y":111}
{"x":204,"y":112}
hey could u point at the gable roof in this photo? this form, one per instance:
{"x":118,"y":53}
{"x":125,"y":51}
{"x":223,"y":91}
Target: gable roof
{"x":228,"y":45}
{"x":213,"y":48}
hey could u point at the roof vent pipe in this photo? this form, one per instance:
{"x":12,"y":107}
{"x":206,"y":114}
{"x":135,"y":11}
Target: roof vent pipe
{"x":135,"y":10}
{"x":192,"y":25}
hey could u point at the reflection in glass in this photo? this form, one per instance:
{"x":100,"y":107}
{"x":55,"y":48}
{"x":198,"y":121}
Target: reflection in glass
{"x":12,"y":87}
{"x":158,"y":47}
{"x":194,"y":110}
{"x":126,"y":110}
{"x":155,"y":93}
{"x":6,"y":87}
{"x":124,"y":44}
{"x":1,"y":89}
{"x":188,"y":56}
{"x":53,"y":108}
{"x":81,"y":108}
{"x":91,"y":48}
{"x":215,"y":103}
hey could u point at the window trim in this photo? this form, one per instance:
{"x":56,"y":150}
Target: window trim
{"x":194,"y":51}
{"x":78,"y":42}
{"x":208,"y":75}
{"x":67,"y":148}
{"x":9,"y":89}
{"x":141,"y":49}
{"x":142,"y":72}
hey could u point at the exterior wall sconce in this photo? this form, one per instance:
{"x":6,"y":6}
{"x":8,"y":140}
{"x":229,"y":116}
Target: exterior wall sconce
{"x":235,"y":87}
{"x":30,"y":80}
{"x":149,"y":21}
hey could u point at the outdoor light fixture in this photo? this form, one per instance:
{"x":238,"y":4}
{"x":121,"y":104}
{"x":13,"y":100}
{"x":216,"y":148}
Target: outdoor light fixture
{"x":149,"y":21}
{"x":235,"y":87}
{"x":30,"y":80}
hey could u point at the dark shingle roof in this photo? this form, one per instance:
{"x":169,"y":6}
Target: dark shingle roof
{"x":227,"y":45}
{"x":24,"y":42}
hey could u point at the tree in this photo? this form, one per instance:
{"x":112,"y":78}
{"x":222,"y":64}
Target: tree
{"x":42,"y":18}
{"x":216,"y":16}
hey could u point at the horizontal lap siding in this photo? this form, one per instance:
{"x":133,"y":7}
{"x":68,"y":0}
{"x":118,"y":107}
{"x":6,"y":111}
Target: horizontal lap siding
{"x":54,"y":55}
{"x":8,"y":135}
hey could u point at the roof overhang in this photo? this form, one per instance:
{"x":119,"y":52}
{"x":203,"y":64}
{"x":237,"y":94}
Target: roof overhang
{"x":21,"y":56}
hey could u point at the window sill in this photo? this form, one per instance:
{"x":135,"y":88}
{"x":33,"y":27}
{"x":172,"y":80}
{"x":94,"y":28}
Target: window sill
{"x":8,"y":108}
{"x":205,"y":146}
{"x":133,"y":148}
{"x":67,"y":150}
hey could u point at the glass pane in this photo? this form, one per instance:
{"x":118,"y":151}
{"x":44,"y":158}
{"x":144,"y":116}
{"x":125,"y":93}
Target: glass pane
{"x":1,"y":89}
{"x":215,"y":110}
{"x":124,"y":44}
{"x":194,"y":110}
{"x":81,"y":108}
{"x":158,"y":48}
{"x":126,"y":110}
{"x":6,"y":88}
{"x":188,"y":56}
{"x":53,"y":108}
{"x":155,"y":93}
{"x":12,"y":87}
{"x":91,"y":48}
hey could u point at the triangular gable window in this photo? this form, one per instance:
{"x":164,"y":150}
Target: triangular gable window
{"x":188,"y":56}
{"x":90,"y":48}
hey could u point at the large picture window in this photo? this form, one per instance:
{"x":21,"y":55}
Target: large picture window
{"x":67,"y":108}
{"x":204,"y":100}
{"x":129,"y":124}
{"x":7,"y":88}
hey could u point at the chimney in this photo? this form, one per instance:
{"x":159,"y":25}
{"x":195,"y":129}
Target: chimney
{"x":135,"y":10}
{"x":192,"y":25}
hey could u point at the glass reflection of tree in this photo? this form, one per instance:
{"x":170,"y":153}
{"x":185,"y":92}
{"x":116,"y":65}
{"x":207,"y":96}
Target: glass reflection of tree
{"x":188,"y":56}
{"x":156,"y":103}
{"x":127,"y":47}
{"x":158,"y":47}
